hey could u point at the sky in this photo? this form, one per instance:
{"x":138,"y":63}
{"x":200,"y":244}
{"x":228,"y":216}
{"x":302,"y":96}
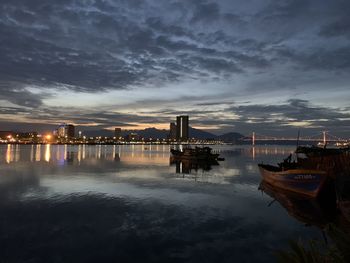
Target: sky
{"x":269,"y":66}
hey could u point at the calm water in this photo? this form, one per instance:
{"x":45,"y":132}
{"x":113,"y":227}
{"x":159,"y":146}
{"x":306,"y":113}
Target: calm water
{"x":130,"y":204}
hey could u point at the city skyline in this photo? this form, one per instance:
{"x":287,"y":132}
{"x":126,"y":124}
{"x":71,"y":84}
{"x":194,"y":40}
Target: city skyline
{"x":242,"y":66}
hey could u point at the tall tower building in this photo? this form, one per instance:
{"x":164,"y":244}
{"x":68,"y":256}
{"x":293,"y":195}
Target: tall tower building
{"x":117,"y":133}
{"x":66,"y":130}
{"x":172,"y":133}
{"x":182,"y":128}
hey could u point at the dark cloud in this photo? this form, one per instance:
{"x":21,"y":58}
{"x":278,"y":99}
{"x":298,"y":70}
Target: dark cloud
{"x":214,"y":103}
{"x":18,"y":95}
{"x":338,"y":28}
{"x":99,"y":46}
{"x":287,"y":117}
{"x":317,"y":59}
{"x":206,"y":11}
{"x":92,"y":119}
{"x":276,"y":118}
{"x":339,"y":22}
{"x":294,"y":109}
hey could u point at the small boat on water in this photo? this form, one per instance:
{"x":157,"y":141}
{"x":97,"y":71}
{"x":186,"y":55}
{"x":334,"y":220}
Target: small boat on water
{"x":197,"y":153}
{"x":314,"y":151}
{"x":335,"y":161}
{"x":308,"y":173}
{"x":302,"y":181}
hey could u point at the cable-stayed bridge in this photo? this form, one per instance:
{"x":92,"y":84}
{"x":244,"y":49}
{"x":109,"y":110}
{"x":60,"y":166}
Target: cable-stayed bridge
{"x":323,"y":137}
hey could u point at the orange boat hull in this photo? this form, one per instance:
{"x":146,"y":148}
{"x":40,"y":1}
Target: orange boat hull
{"x":301,"y":181}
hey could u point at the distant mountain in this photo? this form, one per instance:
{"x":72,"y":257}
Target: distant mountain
{"x":150,"y":133}
{"x":95,"y":133}
{"x":199,"y":134}
{"x":231,"y":137}
{"x":163,"y":134}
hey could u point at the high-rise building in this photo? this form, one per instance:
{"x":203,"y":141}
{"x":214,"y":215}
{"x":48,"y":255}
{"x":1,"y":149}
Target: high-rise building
{"x":172,"y":133}
{"x":182,"y":128}
{"x":66,"y":130}
{"x":117,"y":133}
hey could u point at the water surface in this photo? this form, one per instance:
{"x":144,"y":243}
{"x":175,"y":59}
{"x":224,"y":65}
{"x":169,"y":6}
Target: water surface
{"x":64,"y":203}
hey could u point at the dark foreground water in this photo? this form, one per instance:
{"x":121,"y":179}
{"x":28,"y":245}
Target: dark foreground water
{"x":130,"y":204}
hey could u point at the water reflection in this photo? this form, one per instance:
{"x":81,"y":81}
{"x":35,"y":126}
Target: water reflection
{"x":306,"y":210}
{"x":189,"y":166}
{"x":9,"y":154}
{"x":62,"y":154}
{"x":157,"y":154}
{"x":38,"y":153}
{"x":47,"y":152}
{"x":128,"y":202}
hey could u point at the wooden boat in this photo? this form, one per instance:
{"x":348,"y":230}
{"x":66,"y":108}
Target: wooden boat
{"x":334,"y":161}
{"x":314,"y":151}
{"x":197,"y":153}
{"x":302,"y":181}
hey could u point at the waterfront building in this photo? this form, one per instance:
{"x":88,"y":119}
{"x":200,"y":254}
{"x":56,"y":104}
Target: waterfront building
{"x":117,"y":133}
{"x":172,"y":133}
{"x":6,"y":134}
{"x":66,"y":131}
{"x":182,"y":128}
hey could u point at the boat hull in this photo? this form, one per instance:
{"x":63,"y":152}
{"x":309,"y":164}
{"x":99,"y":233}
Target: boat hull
{"x":194,"y":156}
{"x":301,"y":181}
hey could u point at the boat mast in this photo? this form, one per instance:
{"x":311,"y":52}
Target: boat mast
{"x":324,"y":139}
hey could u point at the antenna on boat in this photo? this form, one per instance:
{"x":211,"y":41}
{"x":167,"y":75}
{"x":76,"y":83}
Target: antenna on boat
{"x":324,"y":139}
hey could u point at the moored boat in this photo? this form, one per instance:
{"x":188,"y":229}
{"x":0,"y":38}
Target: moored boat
{"x":302,"y":181}
{"x":335,"y":161}
{"x":314,"y":151}
{"x":197,"y":153}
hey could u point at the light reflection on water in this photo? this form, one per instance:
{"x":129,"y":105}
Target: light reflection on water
{"x":135,"y":153}
{"x":133,"y":203}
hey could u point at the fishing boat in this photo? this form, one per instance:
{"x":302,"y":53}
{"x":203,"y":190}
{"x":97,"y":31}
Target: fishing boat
{"x":306,"y":182}
{"x":335,"y":161}
{"x":314,"y":151}
{"x":198,"y":153}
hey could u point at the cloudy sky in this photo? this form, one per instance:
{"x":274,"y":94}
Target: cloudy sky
{"x":233,"y":65}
